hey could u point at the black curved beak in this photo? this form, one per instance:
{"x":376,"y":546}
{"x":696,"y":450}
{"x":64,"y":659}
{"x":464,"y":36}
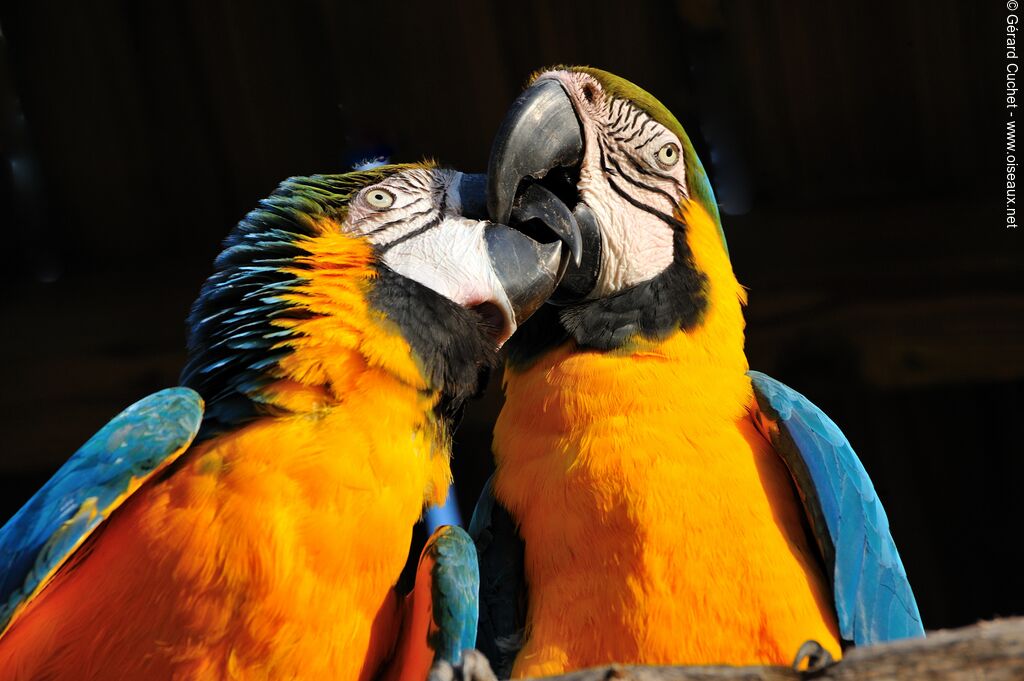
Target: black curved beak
{"x":541,"y":133}
{"x":527,"y":270}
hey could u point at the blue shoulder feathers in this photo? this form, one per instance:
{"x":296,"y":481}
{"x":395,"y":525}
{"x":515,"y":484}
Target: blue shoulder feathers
{"x":95,"y":480}
{"x":873,"y":599}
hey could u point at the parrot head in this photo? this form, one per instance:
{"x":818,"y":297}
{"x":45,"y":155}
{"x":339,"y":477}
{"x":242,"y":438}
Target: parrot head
{"x":393,"y":269}
{"x":623,"y":165}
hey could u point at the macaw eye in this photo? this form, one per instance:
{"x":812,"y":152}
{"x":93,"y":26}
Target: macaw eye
{"x":380,"y":198}
{"x":668,"y":155}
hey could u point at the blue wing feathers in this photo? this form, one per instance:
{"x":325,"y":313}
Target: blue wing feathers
{"x":43,"y":533}
{"x":455,"y":589}
{"x":873,"y":599}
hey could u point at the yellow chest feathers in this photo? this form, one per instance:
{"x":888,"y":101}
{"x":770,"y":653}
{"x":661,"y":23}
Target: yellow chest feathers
{"x":306,"y":521}
{"x":656,"y":519}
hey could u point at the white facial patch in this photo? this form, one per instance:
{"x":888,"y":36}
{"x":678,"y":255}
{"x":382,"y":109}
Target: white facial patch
{"x":631,"y":178}
{"x":635,"y":246}
{"x":423,"y":237}
{"x":450,"y":259}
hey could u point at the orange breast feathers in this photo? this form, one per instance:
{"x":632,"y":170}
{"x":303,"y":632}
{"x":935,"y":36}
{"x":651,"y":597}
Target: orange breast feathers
{"x":655,"y":517}
{"x":270,"y":552}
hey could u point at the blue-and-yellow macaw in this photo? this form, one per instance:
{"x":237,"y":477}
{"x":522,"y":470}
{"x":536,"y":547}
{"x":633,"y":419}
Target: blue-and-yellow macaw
{"x":261,"y":536}
{"x":651,"y":494}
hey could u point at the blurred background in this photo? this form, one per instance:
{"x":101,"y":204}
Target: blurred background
{"x":855,"y":147}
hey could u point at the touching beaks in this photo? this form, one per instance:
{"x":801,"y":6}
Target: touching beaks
{"x":527,"y":270}
{"x":528,"y":266}
{"x":532,"y":174}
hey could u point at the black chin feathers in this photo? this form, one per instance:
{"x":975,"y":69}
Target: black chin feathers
{"x":450,"y":342}
{"x":674,"y":300}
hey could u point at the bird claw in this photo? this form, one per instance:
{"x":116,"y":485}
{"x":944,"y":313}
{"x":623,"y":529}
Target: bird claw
{"x":814,"y":655}
{"x":474,"y":667}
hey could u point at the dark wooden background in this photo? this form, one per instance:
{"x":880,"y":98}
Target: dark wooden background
{"x":856,"y":150}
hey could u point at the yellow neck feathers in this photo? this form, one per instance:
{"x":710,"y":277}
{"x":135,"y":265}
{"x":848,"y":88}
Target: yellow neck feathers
{"x":710,"y":356}
{"x":344,"y":342}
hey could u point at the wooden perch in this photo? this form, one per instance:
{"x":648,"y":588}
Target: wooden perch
{"x":993,"y":651}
